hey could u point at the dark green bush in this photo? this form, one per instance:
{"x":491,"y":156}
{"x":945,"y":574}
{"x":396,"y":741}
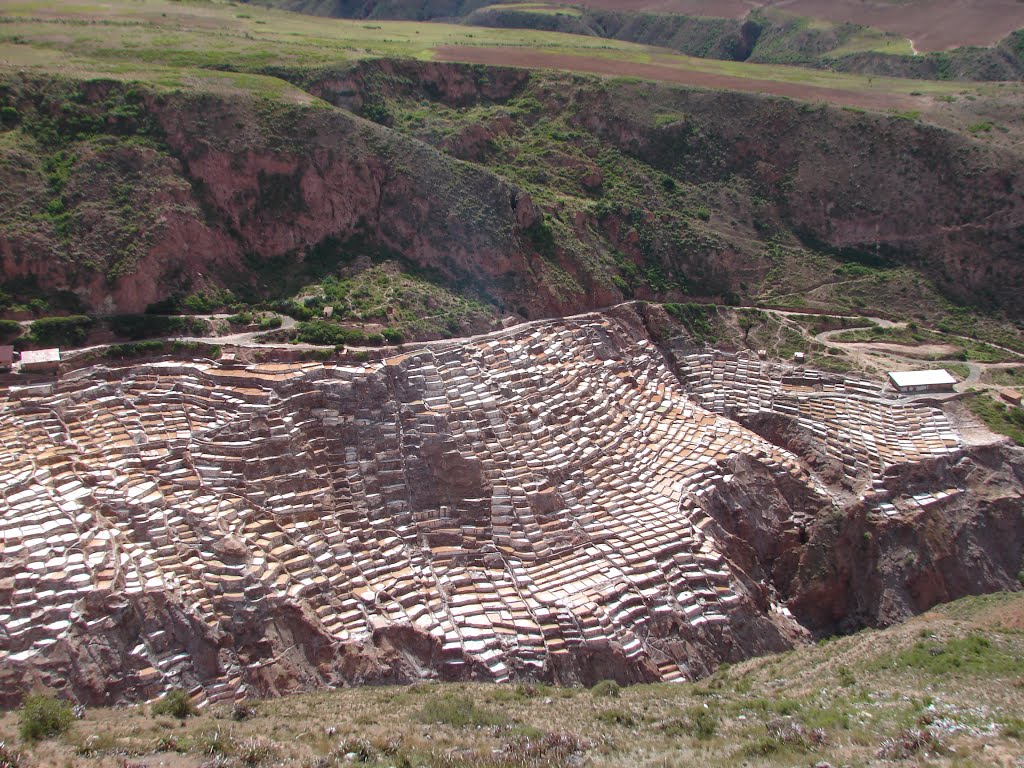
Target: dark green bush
{"x":329,"y":334}
{"x":138,"y":349}
{"x":176,"y":704}
{"x":623,"y":717}
{"x":41,"y":717}
{"x":270,"y":323}
{"x":137,"y":327}
{"x":294,"y":310}
{"x":70,"y":331}
{"x":703,"y":723}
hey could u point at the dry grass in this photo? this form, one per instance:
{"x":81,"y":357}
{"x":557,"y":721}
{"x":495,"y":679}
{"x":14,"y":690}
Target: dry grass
{"x":942,"y":689}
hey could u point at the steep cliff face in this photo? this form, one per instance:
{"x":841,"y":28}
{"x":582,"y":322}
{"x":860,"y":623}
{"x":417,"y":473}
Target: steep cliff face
{"x":214,"y":189}
{"x":543,"y":193}
{"x":864,"y":569}
{"x":879,"y":189}
{"x":885,"y":188}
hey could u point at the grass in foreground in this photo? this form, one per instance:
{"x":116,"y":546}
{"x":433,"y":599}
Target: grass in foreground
{"x":942,"y":689}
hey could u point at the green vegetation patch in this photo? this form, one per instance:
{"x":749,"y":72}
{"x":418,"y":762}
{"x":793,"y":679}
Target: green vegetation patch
{"x":386,"y":302}
{"x":696,"y":319}
{"x":1004,"y":377}
{"x":41,"y":717}
{"x":175,"y":704}
{"x":459,"y":712}
{"x":150,"y":326}
{"x":69,"y":331}
{"x":974,"y":654}
{"x":9,"y":329}
{"x":1001,"y":418}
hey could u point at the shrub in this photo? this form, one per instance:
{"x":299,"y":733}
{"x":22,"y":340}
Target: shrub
{"x":270,"y":323}
{"x":546,"y":749}
{"x":393,"y":336}
{"x":176,"y":704}
{"x":328,"y":334}
{"x":169,"y":744}
{"x":70,"y":331}
{"x":785,"y":736}
{"x":242,"y":318}
{"x":355,"y":750}
{"x":695,"y":318}
{"x":908,"y":743}
{"x":136,"y":327}
{"x":294,"y":309}
{"x":623,"y":717}
{"x":214,"y":743}
{"x":43,"y":716}
{"x":607,"y":688}
{"x":846,"y":677}
{"x":205,"y":303}
{"x":703,"y":723}
{"x":138,"y":349}
{"x":1012,"y":728}
{"x":8,"y":119}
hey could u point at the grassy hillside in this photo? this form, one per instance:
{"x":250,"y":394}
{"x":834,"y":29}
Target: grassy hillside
{"x":221,"y":45}
{"x":942,"y":689}
{"x":765,"y":35}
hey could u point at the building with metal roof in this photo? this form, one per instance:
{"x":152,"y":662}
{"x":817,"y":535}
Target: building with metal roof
{"x":939,"y":380}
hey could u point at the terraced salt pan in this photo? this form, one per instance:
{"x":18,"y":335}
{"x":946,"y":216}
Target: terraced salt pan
{"x":516,"y":498}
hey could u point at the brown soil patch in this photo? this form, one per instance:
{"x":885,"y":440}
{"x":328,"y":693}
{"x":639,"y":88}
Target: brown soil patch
{"x":732,"y":9}
{"x":534,"y":59}
{"x":906,"y":350}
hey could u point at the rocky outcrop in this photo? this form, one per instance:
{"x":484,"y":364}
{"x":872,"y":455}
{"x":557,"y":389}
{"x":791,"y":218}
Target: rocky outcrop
{"x":861,"y":570}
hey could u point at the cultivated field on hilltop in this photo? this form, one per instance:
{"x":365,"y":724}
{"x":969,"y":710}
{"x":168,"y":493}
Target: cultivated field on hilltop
{"x":219,"y":45}
{"x":933,"y":25}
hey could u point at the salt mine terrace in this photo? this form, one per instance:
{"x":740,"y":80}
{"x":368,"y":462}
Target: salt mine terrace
{"x":516,"y":502}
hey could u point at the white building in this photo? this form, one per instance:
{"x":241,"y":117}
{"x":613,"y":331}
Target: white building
{"x":939,"y":380}
{"x":40,"y":360}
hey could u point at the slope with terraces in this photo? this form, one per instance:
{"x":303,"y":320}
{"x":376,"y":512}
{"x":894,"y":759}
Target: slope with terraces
{"x":560,"y":501}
